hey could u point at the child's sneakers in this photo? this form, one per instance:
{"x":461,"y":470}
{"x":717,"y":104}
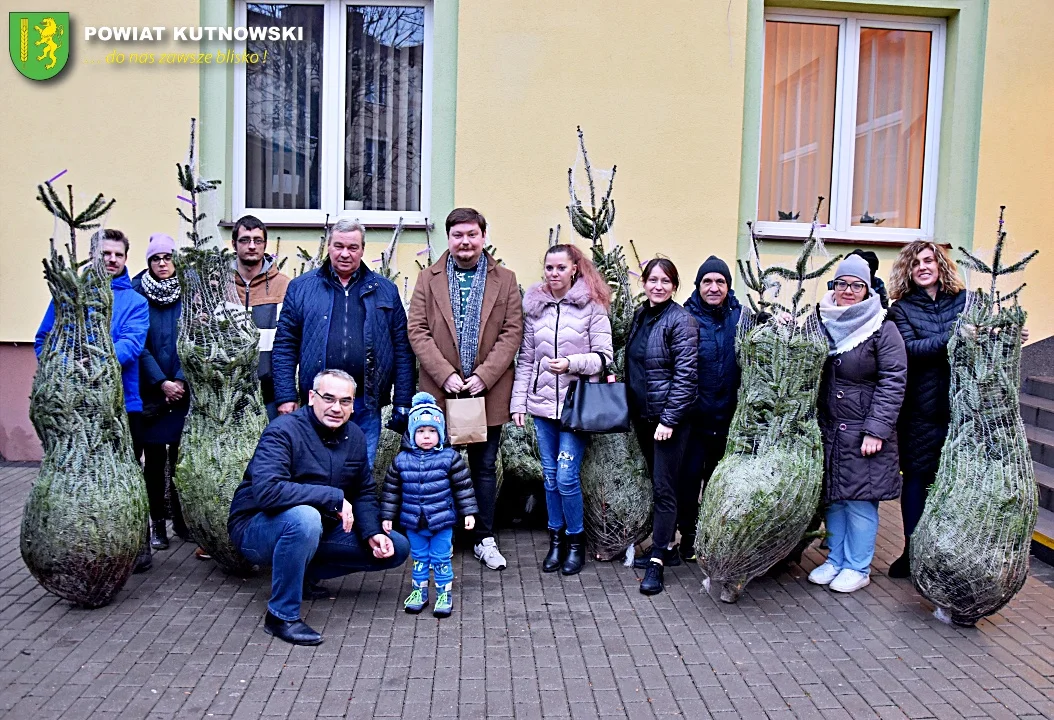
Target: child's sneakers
{"x":417,"y":600}
{"x":445,"y":602}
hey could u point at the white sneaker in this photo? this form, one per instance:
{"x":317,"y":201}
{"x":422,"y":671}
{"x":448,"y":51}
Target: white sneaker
{"x":849,"y":580}
{"x":824,"y":574}
{"x":487,"y":553}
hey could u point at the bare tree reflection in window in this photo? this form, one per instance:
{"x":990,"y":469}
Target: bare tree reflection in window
{"x":385,"y":80}
{"x":283,"y":110}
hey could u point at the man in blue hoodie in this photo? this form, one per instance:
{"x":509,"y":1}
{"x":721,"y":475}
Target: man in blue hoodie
{"x":130,"y":320}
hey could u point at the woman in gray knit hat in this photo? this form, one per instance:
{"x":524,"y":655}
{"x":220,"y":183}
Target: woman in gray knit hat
{"x":861,"y":392}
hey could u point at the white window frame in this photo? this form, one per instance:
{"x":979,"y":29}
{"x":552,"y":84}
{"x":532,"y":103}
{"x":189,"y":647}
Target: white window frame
{"x":840,"y":225}
{"x":334,"y":105}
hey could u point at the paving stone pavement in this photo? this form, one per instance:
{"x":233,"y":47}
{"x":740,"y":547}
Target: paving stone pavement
{"x":186,"y":641}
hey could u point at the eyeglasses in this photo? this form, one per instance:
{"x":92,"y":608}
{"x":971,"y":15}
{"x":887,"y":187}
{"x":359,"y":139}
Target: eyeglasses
{"x":857,"y":287}
{"x":251,"y":241}
{"x":345,"y":402}
{"x":166,"y":257}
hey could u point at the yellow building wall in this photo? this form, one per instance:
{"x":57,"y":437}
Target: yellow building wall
{"x":656,"y":90}
{"x":117,"y":129}
{"x":1016,"y":165}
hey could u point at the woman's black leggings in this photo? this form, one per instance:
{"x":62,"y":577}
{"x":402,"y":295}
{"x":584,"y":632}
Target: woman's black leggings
{"x":158,"y":458}
{"x":664,"y":464}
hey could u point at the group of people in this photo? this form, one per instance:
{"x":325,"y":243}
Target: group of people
{"x":337,"y":346}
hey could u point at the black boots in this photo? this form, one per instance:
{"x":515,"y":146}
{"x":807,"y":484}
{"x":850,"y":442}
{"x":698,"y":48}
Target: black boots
{"x":576,"y":554}
{"x":901,"y":567}
{"x":296,"y":632}
{"x":557,"y":552}
{"x":567,"y":553}
{"x":652,"y":582}
{"x":158,"y":535}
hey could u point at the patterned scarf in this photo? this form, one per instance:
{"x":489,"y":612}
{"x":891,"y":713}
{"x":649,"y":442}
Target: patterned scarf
{"x":468,"y":326}
{"x":850,"y":325}
{"x":161,"y":292}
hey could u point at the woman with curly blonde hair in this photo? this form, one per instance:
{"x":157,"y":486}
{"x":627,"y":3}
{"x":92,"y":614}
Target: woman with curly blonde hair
{"x":928,"y":295}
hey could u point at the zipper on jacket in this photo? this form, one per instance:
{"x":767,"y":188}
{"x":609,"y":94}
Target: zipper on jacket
{"x":344,"y":335}
{"x":556,"y":352}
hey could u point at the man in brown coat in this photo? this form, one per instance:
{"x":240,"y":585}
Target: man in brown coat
{"x":465,"y":326}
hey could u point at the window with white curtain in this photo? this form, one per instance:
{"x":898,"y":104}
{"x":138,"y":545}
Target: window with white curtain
{"x":339,"y":122}
{"x":850,"y":111}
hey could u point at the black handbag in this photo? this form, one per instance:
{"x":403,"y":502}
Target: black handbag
{"x":597,"y":408}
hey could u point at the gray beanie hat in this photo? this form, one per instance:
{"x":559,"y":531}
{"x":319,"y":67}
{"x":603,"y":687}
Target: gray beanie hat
{"x":855,"y":266}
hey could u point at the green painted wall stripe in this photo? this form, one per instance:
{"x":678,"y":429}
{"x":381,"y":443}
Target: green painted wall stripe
{"x":960,"y":134}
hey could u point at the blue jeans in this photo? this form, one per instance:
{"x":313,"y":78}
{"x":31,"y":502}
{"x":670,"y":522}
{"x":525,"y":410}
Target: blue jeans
{"x":433,"y":550}
{"x":852,"y":526}
{"x":561,"y":455}
{"x":369,"y":421}
{"x":299,"y":551}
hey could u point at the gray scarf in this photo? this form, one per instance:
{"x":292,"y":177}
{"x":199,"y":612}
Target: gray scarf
{"x":850,"y":325}
{"x":160,"y":292}
{"x":467,"y":329}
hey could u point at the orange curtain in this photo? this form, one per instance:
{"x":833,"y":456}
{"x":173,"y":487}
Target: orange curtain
{"x":797,"y":125}
{"x":891,"y":109}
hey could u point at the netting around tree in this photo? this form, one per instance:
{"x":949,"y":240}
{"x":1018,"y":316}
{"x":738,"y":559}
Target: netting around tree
{"x":761,"y":497}
{"x":616,"y":486}
{"x":218,"y":348}
{"x":84,"y":521}
{"x":969,"y":552}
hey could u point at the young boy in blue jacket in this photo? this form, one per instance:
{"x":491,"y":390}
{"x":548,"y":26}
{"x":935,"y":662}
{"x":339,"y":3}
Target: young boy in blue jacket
{"x":422,"y":487}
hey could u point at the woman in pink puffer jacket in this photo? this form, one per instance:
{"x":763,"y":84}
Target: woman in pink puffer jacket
{"x":566,"y":329}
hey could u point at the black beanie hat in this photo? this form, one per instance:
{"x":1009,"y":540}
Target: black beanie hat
{"x":713,"y":264}
{"x":871,"y":258}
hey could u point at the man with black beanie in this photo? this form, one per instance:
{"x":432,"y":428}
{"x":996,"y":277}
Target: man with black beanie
{"x":715,"y":308}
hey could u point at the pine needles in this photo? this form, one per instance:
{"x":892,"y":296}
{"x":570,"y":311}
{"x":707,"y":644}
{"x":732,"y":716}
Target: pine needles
{"x":85,"y":519}
{"x":969,"y":553}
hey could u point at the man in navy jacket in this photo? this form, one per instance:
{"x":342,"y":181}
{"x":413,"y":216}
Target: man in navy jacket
{"x":344,"y":316}
{"x":308,"y":508}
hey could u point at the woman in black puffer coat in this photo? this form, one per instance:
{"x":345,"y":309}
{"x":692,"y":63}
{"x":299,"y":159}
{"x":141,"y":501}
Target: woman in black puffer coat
{"x":661,"y":376}
{"x":928,"y":297}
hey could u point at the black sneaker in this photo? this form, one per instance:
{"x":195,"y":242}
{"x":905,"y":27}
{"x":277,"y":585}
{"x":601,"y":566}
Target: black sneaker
{"x":670,"y":558}
{"x":652,"y":582}
{"x":686,"y":549}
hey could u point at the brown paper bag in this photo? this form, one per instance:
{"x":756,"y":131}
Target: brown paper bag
{"x":466,"y":420}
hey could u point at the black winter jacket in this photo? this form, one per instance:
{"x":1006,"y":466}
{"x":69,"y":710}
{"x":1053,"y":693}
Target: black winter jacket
{"x":427,"y":484}
{"x":861,"y":391}
{"x":926,"y":325}
{"x":670,"y":368}
{"x":718,"y":371}
{"x":161,"y":421}
{"x":300,"y":461}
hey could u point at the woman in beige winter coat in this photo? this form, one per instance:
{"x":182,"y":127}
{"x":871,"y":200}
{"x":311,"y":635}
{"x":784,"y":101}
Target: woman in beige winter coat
{"x":566,"y":331}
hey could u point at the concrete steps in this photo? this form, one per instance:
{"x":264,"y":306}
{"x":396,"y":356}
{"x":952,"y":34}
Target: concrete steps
{"x":1037,"y":410}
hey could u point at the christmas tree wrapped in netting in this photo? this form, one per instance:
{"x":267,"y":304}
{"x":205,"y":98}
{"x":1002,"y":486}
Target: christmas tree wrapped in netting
{"x":84,"y":522}
{"x":218,"y":347}
{"x":616,"y":487}
{"x":758,"y":504}
{"x":969,"y":553}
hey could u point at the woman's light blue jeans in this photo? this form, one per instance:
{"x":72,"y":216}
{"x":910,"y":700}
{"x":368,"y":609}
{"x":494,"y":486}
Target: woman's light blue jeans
{"x":561,"y":456}
{"x":852,"y":526}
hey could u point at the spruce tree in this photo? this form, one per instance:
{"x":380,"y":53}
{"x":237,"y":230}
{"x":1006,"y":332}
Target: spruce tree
{"x":85,"y":518}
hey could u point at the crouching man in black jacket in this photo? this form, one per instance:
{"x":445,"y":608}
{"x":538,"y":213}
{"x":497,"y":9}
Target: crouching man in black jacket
{"x":307,"y":487}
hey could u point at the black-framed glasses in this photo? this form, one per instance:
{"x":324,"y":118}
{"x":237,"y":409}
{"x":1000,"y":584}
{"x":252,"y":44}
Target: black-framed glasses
{"x":251,"y":241}
{"x":841,"y":285}
{"x":345,"y":402}
{"x":162,"y":257}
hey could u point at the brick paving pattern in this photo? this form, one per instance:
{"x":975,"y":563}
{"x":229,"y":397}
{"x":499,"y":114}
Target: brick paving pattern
{"x":186,"y":641}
